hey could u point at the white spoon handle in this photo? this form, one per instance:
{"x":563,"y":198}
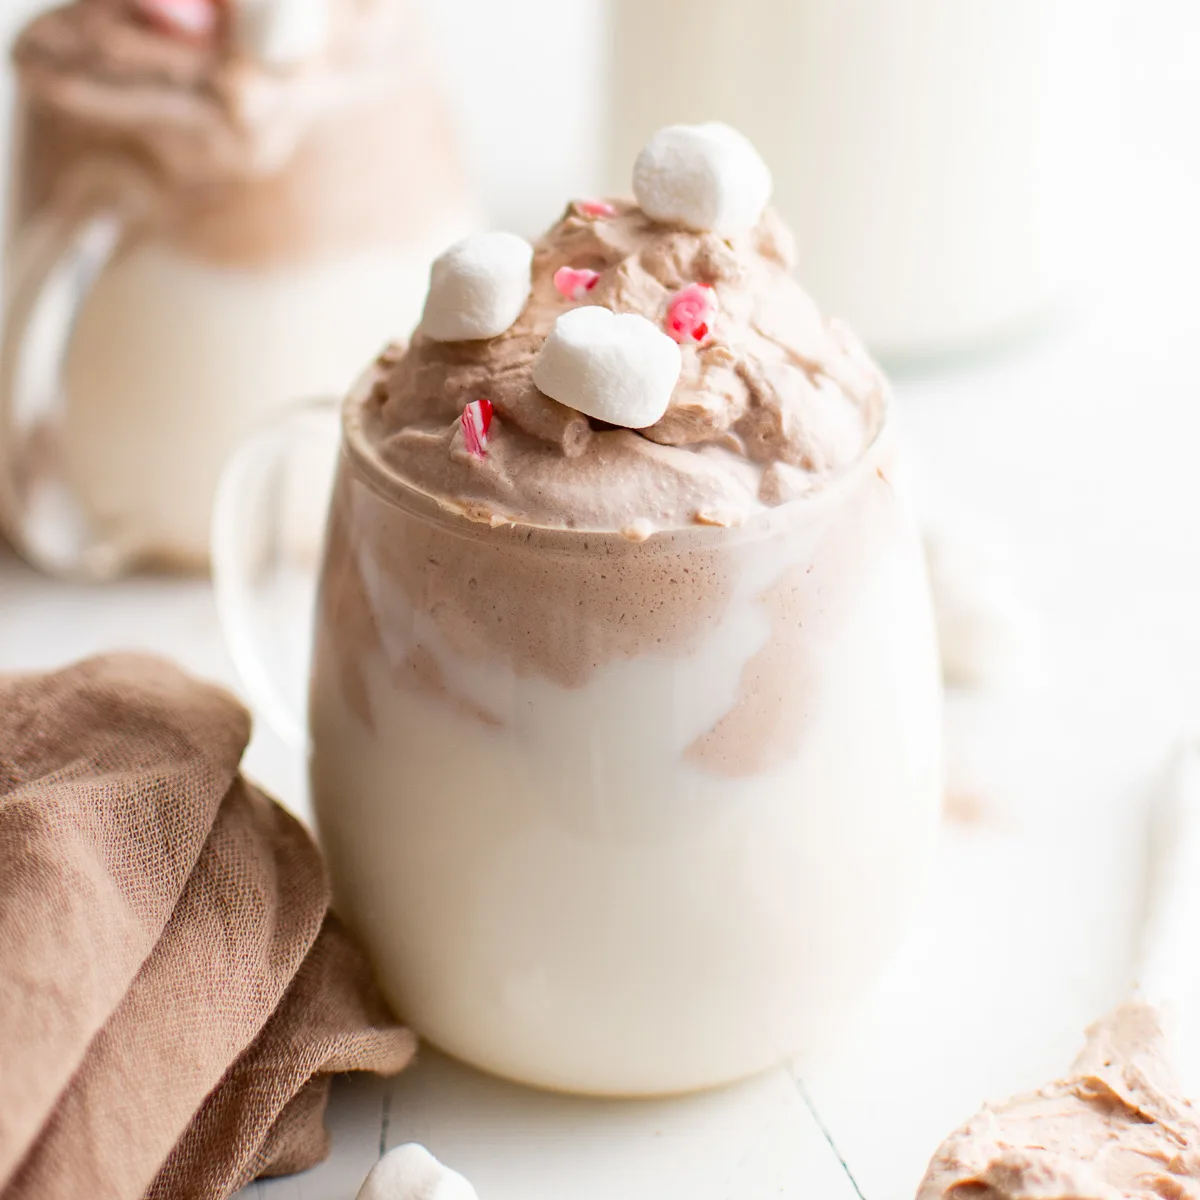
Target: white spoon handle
{"x":1169,"y":963}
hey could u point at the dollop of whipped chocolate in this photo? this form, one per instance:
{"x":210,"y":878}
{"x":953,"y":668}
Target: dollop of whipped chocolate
{"x":771,"y":401}
{"x":201,"y":109}
{"x":1116,"y":1128}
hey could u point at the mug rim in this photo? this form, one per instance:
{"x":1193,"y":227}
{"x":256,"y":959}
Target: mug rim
{"x":402,"y":494}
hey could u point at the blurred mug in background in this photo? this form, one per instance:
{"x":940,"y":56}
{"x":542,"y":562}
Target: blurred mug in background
{"x":937,"y":158}
{"x":217,"y":208}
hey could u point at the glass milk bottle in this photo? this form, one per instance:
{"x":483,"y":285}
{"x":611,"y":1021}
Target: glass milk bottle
{"x":935,"y":152}
{"x":217,"y":208}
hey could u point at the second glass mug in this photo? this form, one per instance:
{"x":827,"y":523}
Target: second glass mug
{"x":155,"y":314}
{"x":611,"y":818}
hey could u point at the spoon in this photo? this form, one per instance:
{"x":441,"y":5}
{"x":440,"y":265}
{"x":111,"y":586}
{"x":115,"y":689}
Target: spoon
{"x":1117,"y":1126}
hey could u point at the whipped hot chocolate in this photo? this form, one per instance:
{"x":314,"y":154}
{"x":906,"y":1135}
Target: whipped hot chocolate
{"x":625,"y":711}
{"x":771,"y":403}
{"x":1117,"y":1127}
{"x":229,"y":140}
{"x":242,"y":162}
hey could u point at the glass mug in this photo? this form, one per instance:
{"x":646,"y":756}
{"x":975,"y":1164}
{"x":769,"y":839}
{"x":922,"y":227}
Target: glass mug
{"x":984,"y":124}
{"x":154,"y":316}
{"x":612,"y":818}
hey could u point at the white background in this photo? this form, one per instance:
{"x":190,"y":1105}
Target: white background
{"x":1083,"y":443}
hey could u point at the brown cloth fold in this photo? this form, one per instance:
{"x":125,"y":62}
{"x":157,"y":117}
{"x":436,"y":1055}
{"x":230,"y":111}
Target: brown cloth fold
{"x":174,"y":994}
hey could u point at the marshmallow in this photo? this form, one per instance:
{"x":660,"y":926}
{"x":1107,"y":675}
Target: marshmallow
{"x":282,"y":32}
{"x":478,"y":288}
{"x":192,"y":19}
{"x":703,"y":177}
{"x":616,"y":368}
{"x":411,"y":1173}
{"x":989,"y":636}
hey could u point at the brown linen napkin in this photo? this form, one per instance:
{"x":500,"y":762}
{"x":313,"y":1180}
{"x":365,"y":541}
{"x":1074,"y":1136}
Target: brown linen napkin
{"x":173,"y":994}
{"x":267,"y":1118}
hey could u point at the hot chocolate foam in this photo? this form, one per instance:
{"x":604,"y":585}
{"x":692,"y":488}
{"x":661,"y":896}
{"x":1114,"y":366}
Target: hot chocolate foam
{"x":771,"y":402}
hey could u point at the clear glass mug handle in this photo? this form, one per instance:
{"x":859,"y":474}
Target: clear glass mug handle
{"x":52,"y":268}
{"x":268,"y":519}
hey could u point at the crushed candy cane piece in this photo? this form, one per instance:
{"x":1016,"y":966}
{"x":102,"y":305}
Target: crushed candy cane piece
{"x":476,"y":422}
{"x":692,"y":312}
{"x":575,"y":283}
{"x":597,"y":208}
{"x":195,"y":20}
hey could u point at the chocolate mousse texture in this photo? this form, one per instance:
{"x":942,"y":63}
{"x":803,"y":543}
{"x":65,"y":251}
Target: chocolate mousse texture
{"x":767,"y":407}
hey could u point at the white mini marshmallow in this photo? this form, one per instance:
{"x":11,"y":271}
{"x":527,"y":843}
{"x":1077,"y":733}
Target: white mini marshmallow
{"x":282,"y":32}
{"x":619,"y":368}
{"x":411,"y":1173}
{"x":990,"y":638}
{"x":703,"y":177}
{"x":478,"y":288}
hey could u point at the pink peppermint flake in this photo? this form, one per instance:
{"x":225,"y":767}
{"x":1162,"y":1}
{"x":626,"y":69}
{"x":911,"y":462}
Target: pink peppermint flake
{"x":692,"y":313}
{"x":575,"y":283}
{"x":476,"y":420}
{"x":195,"y":20}
{"x":597,"y":208}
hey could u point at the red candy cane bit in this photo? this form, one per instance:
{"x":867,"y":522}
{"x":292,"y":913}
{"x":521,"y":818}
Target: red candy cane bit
{"x":575,"y":283}
{"x":597,"y":208}
{"x":692,"y":312}
{"x":476,"y":421}
{"x":194,"y":20}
